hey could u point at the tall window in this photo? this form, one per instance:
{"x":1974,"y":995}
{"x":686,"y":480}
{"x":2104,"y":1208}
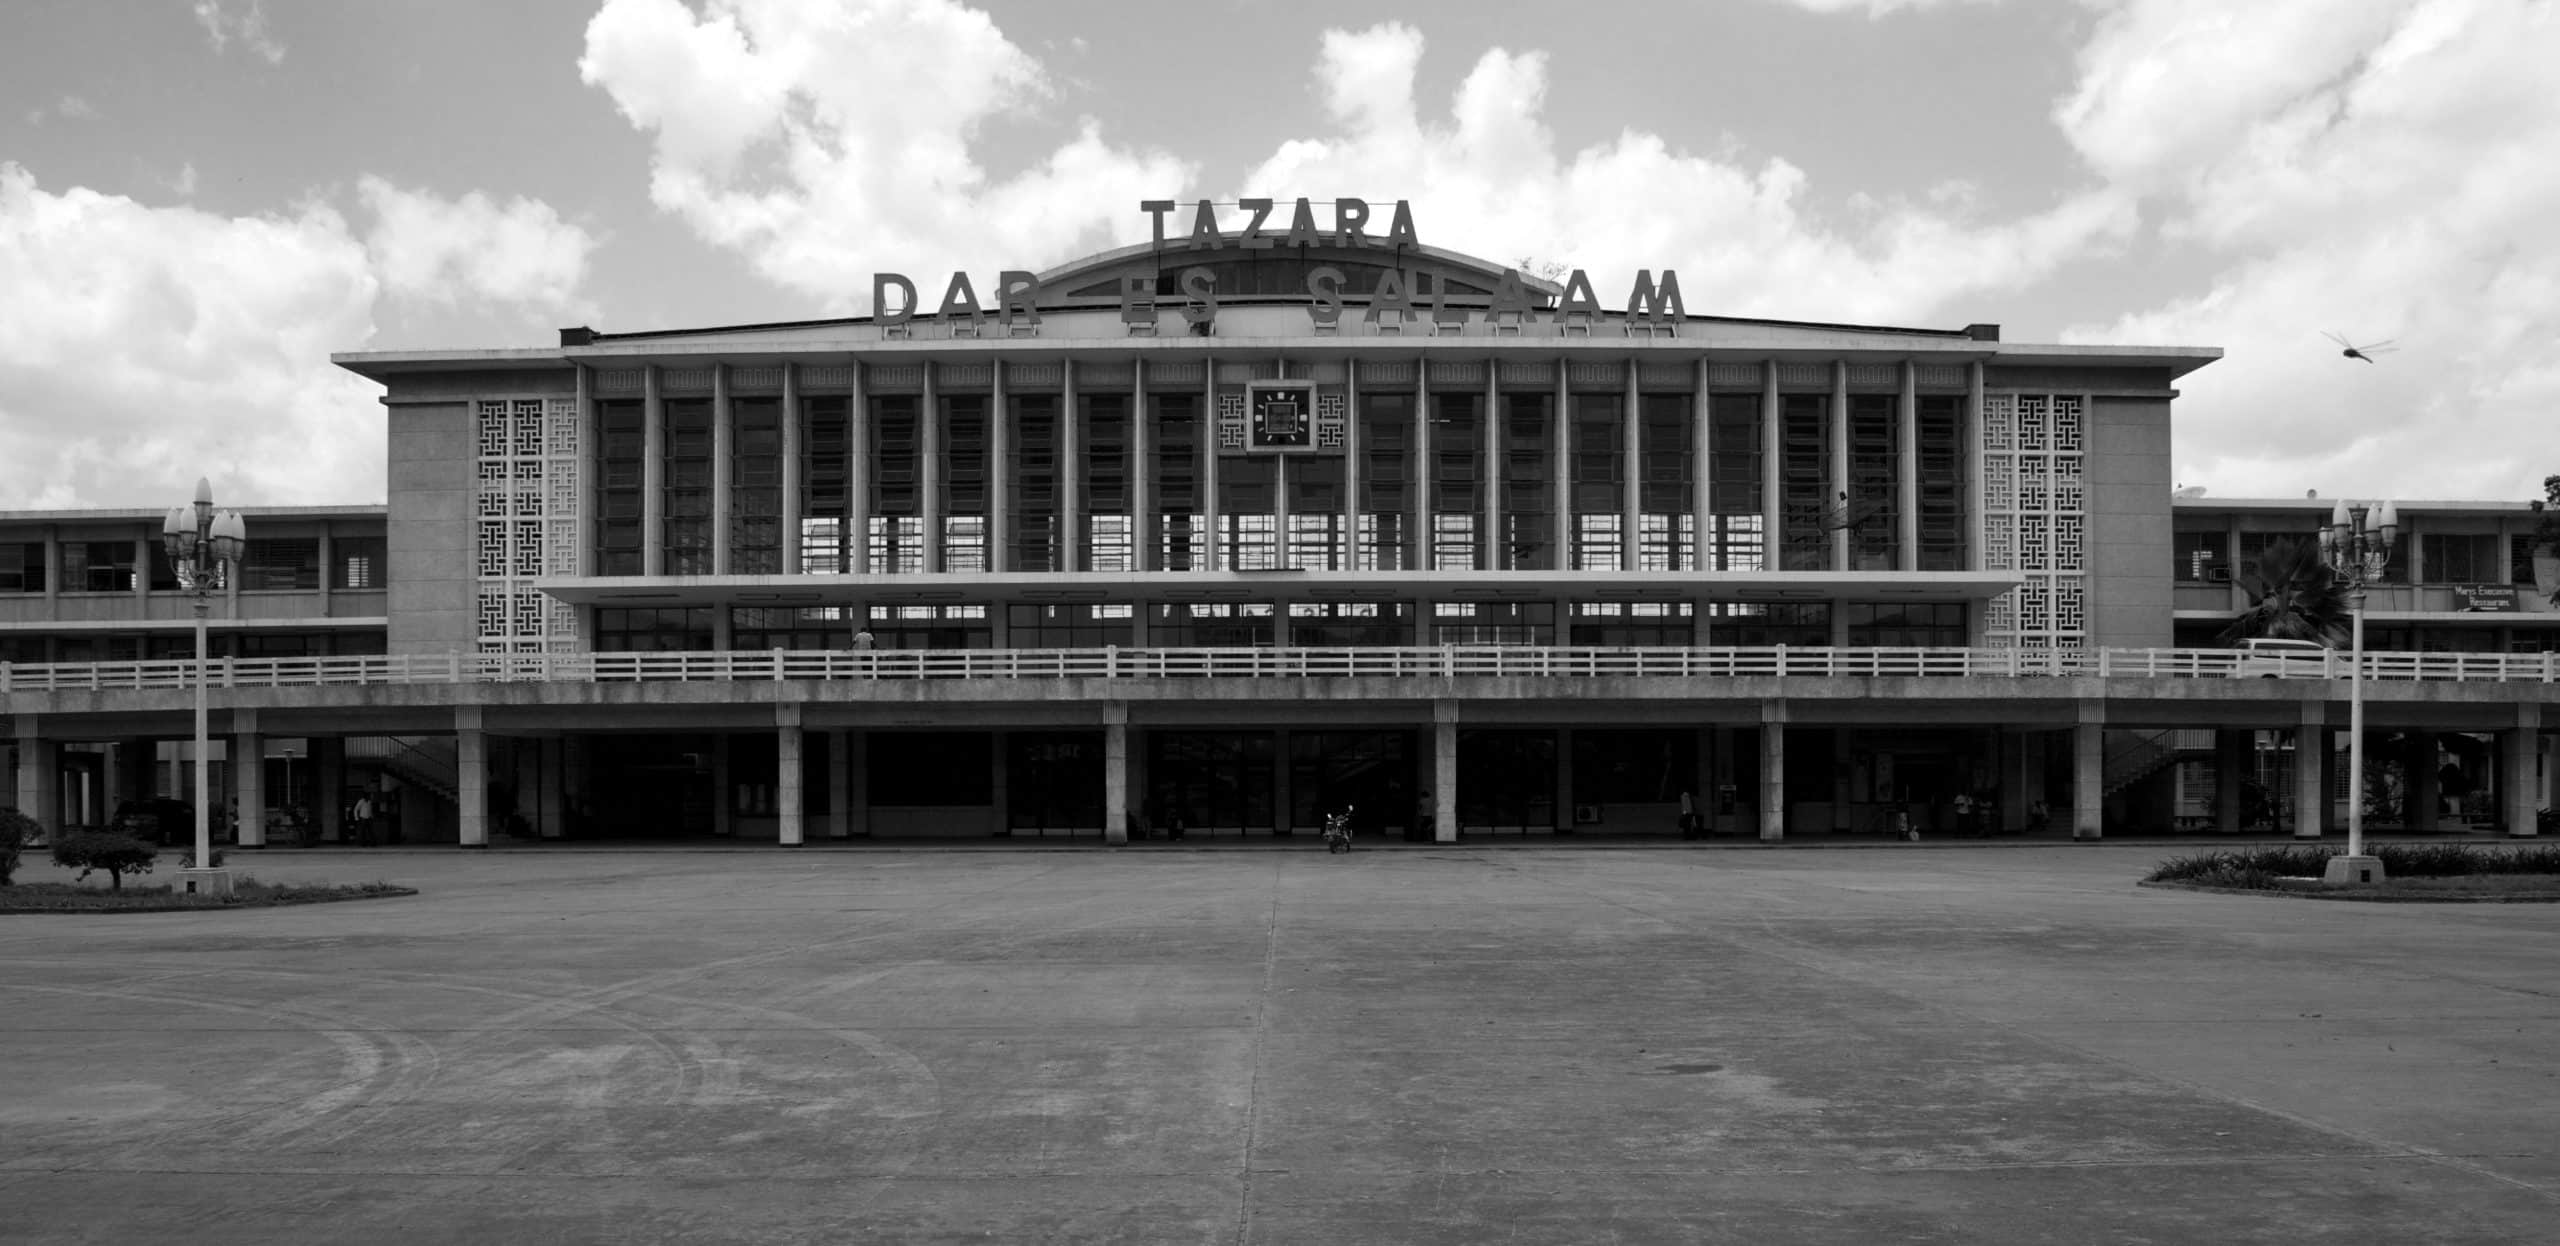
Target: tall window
{"x":1737,"y":540}
{"x":620,"y":630}
{"x":1032,"y":479}
{"x":1755,"y":624}
{"x":789,"y":627}
{"x":2201,"y":557}
{"x":1069,"y":626}
{"x":1805,"y":501}
{"x":896,"y":538}
{"x":1178,"y":535}
{"x":1620,"y":624}
{"x":1874,"y":508}
{"x":1457,"y":481}
{"x":755,"y":487}
{"x":1386,"y":482}
{"x":1528,"y":482}
{"x":1315,"y":489}
{"x":1944,"y":543}
{"x":1666,"y":487}
{"x":826,"y":486}
{"x":1599,"y":463}
{"x":621,"y":454}
{"x":1248,"y":498}
{"x":688,"y":487}
{"x":967,"y":476}
{"x":1110,"y":538}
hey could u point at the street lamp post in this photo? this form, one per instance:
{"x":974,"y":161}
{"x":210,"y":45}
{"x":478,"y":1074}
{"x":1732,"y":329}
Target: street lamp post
{"x":201,"y":542}
{"x":2357,"y":546}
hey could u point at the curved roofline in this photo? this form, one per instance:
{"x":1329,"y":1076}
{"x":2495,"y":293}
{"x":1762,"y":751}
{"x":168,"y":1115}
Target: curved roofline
{"x":1229,"y":247}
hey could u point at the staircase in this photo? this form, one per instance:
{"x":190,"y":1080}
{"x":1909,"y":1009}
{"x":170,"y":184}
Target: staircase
{"x":2135,"y":756}
{"x":428,"y":763}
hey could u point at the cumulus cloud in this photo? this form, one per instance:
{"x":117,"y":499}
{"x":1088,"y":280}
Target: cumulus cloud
{"x":825,"y":142}
{"x":1878,"y":8}
{"x":142,"y":346}
{"x":448,"y":252}
{"x":1491,"y":180}
{"x":2379,"y":170}
{"x":247,"y":24}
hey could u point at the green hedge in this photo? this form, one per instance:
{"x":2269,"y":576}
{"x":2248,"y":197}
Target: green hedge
{"x":2260,"y":867}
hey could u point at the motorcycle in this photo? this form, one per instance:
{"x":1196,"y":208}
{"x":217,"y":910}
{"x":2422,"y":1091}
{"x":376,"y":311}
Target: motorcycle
{"x":1337,"y":831}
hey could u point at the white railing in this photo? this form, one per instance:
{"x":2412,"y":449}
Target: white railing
{"x":1431,"y":662}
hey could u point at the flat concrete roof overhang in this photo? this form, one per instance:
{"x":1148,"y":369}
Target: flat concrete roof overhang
{"x":1052,"y":588}
{"x":1744,"y":343}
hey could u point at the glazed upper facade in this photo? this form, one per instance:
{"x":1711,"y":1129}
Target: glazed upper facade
{"x":1318,"y":444}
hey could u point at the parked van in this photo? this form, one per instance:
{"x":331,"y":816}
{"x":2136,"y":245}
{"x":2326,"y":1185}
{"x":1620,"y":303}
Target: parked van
{"x":2265,"y":657}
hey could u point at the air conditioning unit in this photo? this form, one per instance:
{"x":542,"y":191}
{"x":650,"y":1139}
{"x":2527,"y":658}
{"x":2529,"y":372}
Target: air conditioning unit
{"x":2217,"y":575}
{"x":1586,"y":815}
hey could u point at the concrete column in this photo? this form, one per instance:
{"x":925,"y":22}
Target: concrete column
{"x":1071,"y":503}
{"x":2520,"y":779}
{"x":1773,"y":770}
{"x":1351,"y":465}
{"x":39,"y":776}
{"x":724,"y":816}
{"x":1215,"y":558}
{"x":653,"y":473}
{"x":1115,"y":772}
{"x":1971,"y":439}
{"x":2089,"y":772}
{"x":1771,"y":554}
{"x":2332,"y":763}
{"x":249,"y":779}
{"x":1631,"y":470}
{"x":857,"y":509}
{"x":724,"y":445}
{"x":590,"y":469}
{"x":1839,"y":472}
{"x":1000,"y":767}
{"x":792,"y":420}
{"x":2231,"y":754}
{"x":839,"y":789}
{"x":550,"y":787}
{"x":929,"y":467}
{"x":2426,"y":793}
{"x":1492,"y":551}
{"x":1702,"y":477}
{"x":1418,"y":524}
{"x":1284,"y":819}
{"x":2014,"y":780}
{"x":1560,"y":459}
{"x":1907,"y":470}
{"x":471,"y":775}
{"x":2308,"y":794}
{"x":857,"y":797}
{"x":329,"y":786}
{"x":999,"y":516}
{"x":1565,"y":825}
{"x":1444,"y":772}
{"x":1146,"y":527}
{"x":786,"y":772}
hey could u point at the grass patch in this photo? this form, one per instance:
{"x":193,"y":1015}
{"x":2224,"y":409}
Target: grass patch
{"x":2415,"y":871}
{"x":247,"y":893}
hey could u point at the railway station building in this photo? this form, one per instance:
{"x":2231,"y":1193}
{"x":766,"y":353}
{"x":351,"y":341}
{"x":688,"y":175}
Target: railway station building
{"x":1239,"y":526}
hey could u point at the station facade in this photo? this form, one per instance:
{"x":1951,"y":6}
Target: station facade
{"x":1226,"y":531}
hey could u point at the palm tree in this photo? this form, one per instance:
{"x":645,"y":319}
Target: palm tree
{"x":2293,"y":595}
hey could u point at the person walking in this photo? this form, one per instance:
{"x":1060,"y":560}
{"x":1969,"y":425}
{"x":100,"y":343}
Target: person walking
{"x":362,"y":816}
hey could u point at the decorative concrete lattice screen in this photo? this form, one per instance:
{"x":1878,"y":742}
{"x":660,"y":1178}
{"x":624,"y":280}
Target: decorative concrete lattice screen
{"x":2035,"y":519}
{"x":526,"y":516}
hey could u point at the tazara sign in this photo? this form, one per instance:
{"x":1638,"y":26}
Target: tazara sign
{"x":1017,"y":292}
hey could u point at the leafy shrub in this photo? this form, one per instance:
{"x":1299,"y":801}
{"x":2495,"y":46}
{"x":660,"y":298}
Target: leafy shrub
{"x":118,"y":855}
{"x":2260,"y":867}
{"x":16,"y":829}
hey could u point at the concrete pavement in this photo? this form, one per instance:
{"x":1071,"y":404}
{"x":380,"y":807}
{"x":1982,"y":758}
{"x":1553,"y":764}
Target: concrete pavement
{"x":1993,"y":1044}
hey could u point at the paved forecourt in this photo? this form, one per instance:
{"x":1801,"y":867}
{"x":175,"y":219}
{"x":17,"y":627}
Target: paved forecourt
{"x":1978,"y":1045}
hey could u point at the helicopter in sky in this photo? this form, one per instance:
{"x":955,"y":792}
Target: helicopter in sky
{"x":2365,"y":353}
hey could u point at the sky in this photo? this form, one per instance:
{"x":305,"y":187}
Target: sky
{"x":201,"y":200}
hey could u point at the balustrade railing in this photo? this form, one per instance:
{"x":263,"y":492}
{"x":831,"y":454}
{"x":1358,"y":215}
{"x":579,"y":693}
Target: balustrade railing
{"x":1422,"y":662}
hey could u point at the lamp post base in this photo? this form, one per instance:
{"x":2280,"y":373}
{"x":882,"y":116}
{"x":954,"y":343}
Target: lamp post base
{"x":2359,"y":869}
{"x":211,"y":882}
